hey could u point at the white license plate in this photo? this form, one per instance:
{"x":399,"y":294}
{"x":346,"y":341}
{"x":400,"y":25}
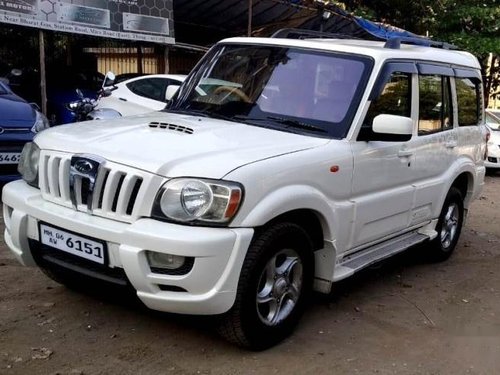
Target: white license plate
{"x":72,"y":243}
{"x":10,"y":157}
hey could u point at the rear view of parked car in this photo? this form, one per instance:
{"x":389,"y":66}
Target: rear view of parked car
{"x":19,"y":122}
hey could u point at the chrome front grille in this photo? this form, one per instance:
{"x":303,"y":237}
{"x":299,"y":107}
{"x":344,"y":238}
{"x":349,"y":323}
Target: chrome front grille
{"x":116,"y":193}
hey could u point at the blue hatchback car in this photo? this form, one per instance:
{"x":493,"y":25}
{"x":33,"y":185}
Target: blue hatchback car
{"x":19,"y":122}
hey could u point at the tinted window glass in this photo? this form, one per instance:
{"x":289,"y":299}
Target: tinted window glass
{"x":151,"y":88}
{"x":394,"y":100}
{"x":468,"y":102}
{"x":435,"y":112}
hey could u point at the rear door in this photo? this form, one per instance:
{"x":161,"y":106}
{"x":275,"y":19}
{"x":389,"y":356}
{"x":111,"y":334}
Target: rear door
{"x":437,"y":140}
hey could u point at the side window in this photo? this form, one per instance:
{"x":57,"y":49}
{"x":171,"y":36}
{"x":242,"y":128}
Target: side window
{"x":394,"y":100}
{"x":151,"y":88}
{"x":468,"y":102}
{"x":436,"y":110}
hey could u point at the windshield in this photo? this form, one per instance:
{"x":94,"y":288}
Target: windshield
{"x":282,"y":88}
{"x":493,"y":120}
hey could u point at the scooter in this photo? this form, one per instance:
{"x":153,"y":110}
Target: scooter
{"x":84,"y":109}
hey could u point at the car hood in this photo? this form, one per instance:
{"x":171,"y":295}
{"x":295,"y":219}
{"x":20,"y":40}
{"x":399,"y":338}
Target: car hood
{"x":15,"y":112}
{"x":213,"y":149}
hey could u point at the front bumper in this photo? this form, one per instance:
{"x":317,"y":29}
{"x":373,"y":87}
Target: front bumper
{"x":493,"y":157}
{"x":209,"y":288}
{"x":492,"y":162}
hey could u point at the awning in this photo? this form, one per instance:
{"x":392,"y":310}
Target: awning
{"x":207,"y":21}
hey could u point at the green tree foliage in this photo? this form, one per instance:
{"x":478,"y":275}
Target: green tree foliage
{"x":472,"y":25}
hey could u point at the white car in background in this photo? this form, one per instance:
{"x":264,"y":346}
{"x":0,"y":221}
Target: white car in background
{"x":142,"y":94}
{"x":493,"y":123}
{"x":150,"y":93}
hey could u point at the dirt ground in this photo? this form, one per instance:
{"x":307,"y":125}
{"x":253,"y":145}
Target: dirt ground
{"x":402,"y":317}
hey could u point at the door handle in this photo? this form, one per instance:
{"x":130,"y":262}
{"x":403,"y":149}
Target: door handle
{"x":405,"y":153}
{"x":451,"y":144}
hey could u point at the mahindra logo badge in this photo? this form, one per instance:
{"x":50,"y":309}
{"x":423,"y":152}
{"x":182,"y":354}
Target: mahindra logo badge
{"x":83,"y":166}
{"x":83,"y":174}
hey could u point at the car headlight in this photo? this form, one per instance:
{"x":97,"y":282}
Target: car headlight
{"x":41,"y":122}
{"x":73,"y":106}
{"x":198,"y":201}
{"x":28,"y":163}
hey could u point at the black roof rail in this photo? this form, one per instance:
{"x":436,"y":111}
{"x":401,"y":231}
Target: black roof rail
{"x":290,"y":33}
{"x":391,"y":42}
{"x":395,"y":42}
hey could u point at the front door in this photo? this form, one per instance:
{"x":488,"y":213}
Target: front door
{"x":383,"y":182}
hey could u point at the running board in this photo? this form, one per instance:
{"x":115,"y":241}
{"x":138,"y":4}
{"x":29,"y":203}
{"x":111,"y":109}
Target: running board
{"x":356,"y":262}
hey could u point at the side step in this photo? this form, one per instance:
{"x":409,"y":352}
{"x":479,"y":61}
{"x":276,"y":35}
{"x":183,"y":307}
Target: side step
{"x":356,"y":262}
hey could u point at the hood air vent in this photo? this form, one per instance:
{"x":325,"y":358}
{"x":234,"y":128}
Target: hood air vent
{"x":166,"y":126}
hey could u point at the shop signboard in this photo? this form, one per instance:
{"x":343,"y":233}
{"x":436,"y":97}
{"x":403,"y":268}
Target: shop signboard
{"x":144,"y":20}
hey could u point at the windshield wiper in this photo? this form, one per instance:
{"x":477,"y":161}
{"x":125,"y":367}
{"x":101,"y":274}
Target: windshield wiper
{"x":290,"y":123}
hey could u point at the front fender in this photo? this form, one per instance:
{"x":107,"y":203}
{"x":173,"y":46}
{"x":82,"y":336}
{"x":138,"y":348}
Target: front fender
{"x":288,"y":199}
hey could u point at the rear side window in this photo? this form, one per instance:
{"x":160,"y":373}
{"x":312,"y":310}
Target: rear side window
{"x":468,"y":102}
{"x":151,"y":88}
{"x":394,"y":100}
{"x":435,"y":113}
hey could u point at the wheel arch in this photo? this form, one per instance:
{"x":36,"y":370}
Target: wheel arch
{"x":466,"y":177}
{"x":464,"y":182}
{"x":307,"y":219}
{"x":324,"y":251}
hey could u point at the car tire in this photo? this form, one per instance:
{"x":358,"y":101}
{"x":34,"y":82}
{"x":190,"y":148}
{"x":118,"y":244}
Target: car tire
{"x":274,"y":286}
{"x":449,"y":227}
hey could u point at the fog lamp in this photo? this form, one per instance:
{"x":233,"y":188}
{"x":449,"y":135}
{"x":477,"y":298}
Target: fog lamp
{"x":164,"y":261}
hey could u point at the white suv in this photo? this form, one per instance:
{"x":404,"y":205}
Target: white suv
{"x":324,"y":157}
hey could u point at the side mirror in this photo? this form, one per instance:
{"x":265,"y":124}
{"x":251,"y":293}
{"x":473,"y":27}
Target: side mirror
{"x":395,"y":128}
{"x":170,"y":92}
{"x":16,"y":72}
{"x":36,"y":107}
{"x":109,"y":79}
{"x":79,"y":93}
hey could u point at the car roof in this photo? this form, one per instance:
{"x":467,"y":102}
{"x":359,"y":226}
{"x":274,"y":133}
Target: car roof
{"x":370,"y":48}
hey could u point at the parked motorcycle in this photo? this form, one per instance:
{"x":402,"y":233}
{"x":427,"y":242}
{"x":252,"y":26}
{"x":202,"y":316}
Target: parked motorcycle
{"x":84,"y":109}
